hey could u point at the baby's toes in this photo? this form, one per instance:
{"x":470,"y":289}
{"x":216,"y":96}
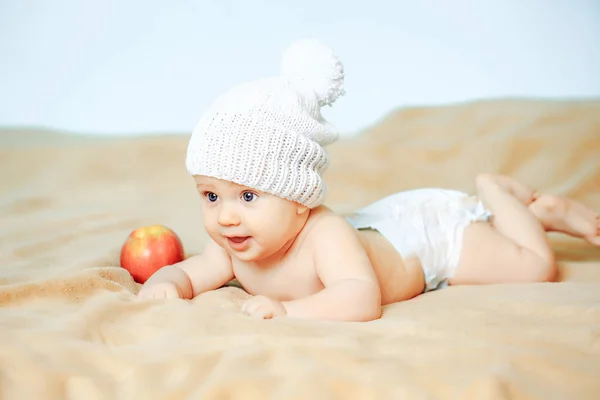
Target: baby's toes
{"x":595,"y":240}
{"x":534,"y":195}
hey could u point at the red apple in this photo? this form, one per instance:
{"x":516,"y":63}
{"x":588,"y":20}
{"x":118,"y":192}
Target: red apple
{"x":148,"y":249}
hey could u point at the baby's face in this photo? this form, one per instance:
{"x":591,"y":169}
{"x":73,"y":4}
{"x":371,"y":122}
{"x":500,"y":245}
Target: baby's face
{"x":249,"y":224}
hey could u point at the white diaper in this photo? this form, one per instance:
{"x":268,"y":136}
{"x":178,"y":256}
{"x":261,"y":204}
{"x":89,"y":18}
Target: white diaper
{"x":427,"y":223}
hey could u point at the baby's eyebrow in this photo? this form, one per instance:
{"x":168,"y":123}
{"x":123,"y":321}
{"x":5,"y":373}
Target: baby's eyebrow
{"x":204,"y":185}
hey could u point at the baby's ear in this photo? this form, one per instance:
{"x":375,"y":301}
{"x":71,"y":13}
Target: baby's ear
{"x":301,"y":209}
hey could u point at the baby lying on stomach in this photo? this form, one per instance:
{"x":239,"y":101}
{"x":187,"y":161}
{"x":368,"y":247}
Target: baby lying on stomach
{"x":257,"y":157}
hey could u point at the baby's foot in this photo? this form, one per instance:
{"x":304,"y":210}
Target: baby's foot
{"x":560,"y":214}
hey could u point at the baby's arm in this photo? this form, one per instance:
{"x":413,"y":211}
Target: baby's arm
{"x":192,"y":276}
{"x":351,"y":291}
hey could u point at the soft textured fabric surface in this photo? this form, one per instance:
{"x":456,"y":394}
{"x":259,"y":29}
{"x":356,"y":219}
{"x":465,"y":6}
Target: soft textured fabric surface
{"x":70,"y":326}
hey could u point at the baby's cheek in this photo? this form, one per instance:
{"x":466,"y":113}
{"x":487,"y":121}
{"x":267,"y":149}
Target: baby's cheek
{"x":219,"y":240}
{"x":274,"y":242}
{"x":215,"y":235}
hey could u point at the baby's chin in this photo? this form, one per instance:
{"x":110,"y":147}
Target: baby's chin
{"x":249,"y":256}
{"x":254,"y":254}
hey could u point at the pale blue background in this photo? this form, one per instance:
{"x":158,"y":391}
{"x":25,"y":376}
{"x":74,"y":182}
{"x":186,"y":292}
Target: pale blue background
{"x":153,"y":66}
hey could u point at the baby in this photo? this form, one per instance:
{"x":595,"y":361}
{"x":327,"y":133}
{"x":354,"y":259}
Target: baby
{"x":257,"y":157}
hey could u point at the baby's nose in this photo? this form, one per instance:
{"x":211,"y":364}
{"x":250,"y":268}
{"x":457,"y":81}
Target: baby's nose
{"x":228,"y":216}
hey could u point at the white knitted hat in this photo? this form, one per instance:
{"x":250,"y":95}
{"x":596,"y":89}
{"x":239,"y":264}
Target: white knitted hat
{"x":269,"y":134}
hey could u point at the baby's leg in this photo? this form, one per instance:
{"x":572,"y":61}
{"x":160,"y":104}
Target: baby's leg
{"x":561,"y":214}
{"x":525,"y":194}
{"x":514,"y":249}
{"x":556,"y":213}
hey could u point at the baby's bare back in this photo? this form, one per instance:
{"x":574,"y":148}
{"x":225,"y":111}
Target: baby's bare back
{"x":399,"y":279}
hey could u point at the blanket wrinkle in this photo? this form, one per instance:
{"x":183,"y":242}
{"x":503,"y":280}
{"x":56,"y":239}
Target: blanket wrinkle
{"x":71,"y":326}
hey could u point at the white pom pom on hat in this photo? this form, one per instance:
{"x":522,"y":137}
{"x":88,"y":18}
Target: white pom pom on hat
{"x":312,"y":63}
{"x":269,"y":134}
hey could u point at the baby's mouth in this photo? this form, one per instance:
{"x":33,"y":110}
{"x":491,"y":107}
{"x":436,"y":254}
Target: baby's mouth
{"x":238,"y":243}
{"x":238,"y":239}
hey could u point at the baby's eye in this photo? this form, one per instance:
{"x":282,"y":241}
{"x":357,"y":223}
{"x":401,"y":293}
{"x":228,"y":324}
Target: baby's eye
{"x":249,"y":196}
{"x":210,"y":196}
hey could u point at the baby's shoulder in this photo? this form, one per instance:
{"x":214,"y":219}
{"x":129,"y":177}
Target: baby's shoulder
{"x":326,"y":225}
{"x":332,"y":241}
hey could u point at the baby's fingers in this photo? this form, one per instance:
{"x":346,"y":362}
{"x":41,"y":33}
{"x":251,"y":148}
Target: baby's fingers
{"x":171,"y":293}
{"x":262,"y":311}
{"x":252,"y":307}
{"x":249,"y":307}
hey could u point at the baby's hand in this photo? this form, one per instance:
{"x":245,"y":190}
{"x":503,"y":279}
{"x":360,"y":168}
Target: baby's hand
{"x":263,"y":307}
{"x":163,"y":290}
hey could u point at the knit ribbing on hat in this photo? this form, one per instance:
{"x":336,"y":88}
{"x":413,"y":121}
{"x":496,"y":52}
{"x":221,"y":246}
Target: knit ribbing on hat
{"x":269,"y":134}
{"x":260,"y":149}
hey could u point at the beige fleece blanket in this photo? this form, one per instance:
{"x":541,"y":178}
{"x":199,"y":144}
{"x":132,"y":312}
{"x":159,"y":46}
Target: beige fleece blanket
{"x":71,"y":328}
